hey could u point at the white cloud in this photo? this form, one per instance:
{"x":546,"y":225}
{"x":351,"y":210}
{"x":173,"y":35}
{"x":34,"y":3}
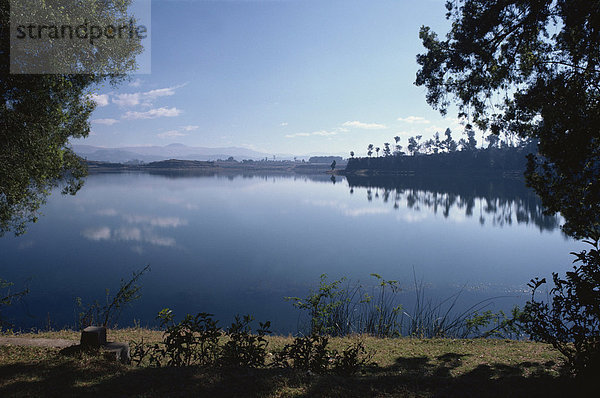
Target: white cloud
{"x":153,"y":113}
{"x":190,"y":128}
{"x":96,"y":234}
{"x":321,"y":133}
{"x":283,"y":124}
{"x":414,"y":120}
{"x":107,"y":122}
{"x":144,"y":98}
{"x":366,"y":126}
{"x":127,"y":99}
{"x":100,"y":99}
{"x":135,"y":83}
{"x":171,"y":134}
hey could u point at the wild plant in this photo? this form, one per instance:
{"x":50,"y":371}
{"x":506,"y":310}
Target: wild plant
{"x":245,"y":349}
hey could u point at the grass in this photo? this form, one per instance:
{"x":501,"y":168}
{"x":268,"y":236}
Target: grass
{"x":401,"y":367}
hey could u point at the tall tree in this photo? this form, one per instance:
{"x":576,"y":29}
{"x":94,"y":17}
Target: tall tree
{"x":449,"y":143}
{"x":39,"y":113}
{"x":541,"y":61}
{"x":386,"y":149}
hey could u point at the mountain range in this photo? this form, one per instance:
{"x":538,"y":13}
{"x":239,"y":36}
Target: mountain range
{"x":172,"y":151}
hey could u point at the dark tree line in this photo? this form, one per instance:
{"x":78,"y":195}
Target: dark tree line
{"x":446,"y":155}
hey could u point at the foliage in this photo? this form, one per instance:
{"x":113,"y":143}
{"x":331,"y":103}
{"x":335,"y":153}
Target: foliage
{"x":7,"y":298}
{"x":495,"y":324}
{"x":108,"y":314}
{"x":244,"y":349}
{"x":531,"y":69}
{"x":323,"y":305}
{"x":571,"y":321}
{"x":310,"y":353}
{"x":352,"y":359}
{"x":40,"y":114}
{"x":381,"y":317}
{"x":340,"y":308}
{"x":194,"y":340}
{"x":306,"y":353}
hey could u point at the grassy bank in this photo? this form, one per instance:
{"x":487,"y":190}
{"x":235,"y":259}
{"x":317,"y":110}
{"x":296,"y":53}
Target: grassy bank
{"x":400,"y":367}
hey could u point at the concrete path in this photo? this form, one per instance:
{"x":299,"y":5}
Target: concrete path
{"x":57,"y":343}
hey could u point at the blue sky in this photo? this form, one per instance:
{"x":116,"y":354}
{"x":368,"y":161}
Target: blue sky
{"x":290,"y":76}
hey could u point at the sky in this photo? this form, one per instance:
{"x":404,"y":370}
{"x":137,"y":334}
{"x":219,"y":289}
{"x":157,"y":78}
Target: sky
{"x":281,"y":77}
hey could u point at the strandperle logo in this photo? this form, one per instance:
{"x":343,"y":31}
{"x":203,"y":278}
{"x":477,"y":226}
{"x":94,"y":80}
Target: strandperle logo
{"x":80,"y":36}
{"x":84,"y":31}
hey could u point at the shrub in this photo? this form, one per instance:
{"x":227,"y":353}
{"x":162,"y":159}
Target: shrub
{"x":305,"y":353}
{"x":571,"y":320}
{"x":245,"y":349}
{"x":352,"y":359}
{"x":192,"y":341}
{"x":310,"y":353}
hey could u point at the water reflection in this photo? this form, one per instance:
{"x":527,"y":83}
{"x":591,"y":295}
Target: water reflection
{"x":496,"y":202}
{"x":239,"y":242}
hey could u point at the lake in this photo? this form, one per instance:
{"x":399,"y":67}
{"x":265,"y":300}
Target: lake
{"x":230,"y":244}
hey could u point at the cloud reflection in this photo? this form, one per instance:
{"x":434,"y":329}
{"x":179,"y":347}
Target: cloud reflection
{"x":97,"y":234}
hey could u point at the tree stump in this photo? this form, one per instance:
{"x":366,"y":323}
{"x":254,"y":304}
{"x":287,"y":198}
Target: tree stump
{"x":93,"y":336}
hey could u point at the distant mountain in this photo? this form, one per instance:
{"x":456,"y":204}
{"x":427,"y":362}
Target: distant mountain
{"x":157,"y":153}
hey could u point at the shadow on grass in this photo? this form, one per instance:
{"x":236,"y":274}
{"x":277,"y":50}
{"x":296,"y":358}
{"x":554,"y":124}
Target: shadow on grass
{"x":408,"y":376}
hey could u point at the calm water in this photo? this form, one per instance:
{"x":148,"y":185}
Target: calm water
{"x":240,"y":244}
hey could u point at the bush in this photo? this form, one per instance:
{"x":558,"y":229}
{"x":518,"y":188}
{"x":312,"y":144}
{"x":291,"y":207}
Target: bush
{"x":306,"y":353}
{"x":571,"y":321}
{"x":245,"y":349}
{"x":310,"y":353}
{"x":193,"y":341}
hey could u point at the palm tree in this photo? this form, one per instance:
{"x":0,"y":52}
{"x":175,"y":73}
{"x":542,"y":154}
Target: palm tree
{"x":352,"y":154}
{"x":370,"y":150}
{"x":377,"y":150}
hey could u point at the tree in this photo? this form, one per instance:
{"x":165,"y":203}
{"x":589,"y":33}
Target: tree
{"x":377,"y":150}
{"x":470,"y":144}
{"x":386,"y":149}
{"x":352,"y":154}
{"x":493,"y":141}
{"x":541,"y":60}
{"x":370,"y":150}
{"x":332,"y":165}
{"x":414,"y":144}
{"x":530,"y":68}
{"x":39,"y":113}
{"x":449,"y":143}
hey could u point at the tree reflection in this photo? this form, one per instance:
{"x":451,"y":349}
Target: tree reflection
{"x":498,"y":202}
